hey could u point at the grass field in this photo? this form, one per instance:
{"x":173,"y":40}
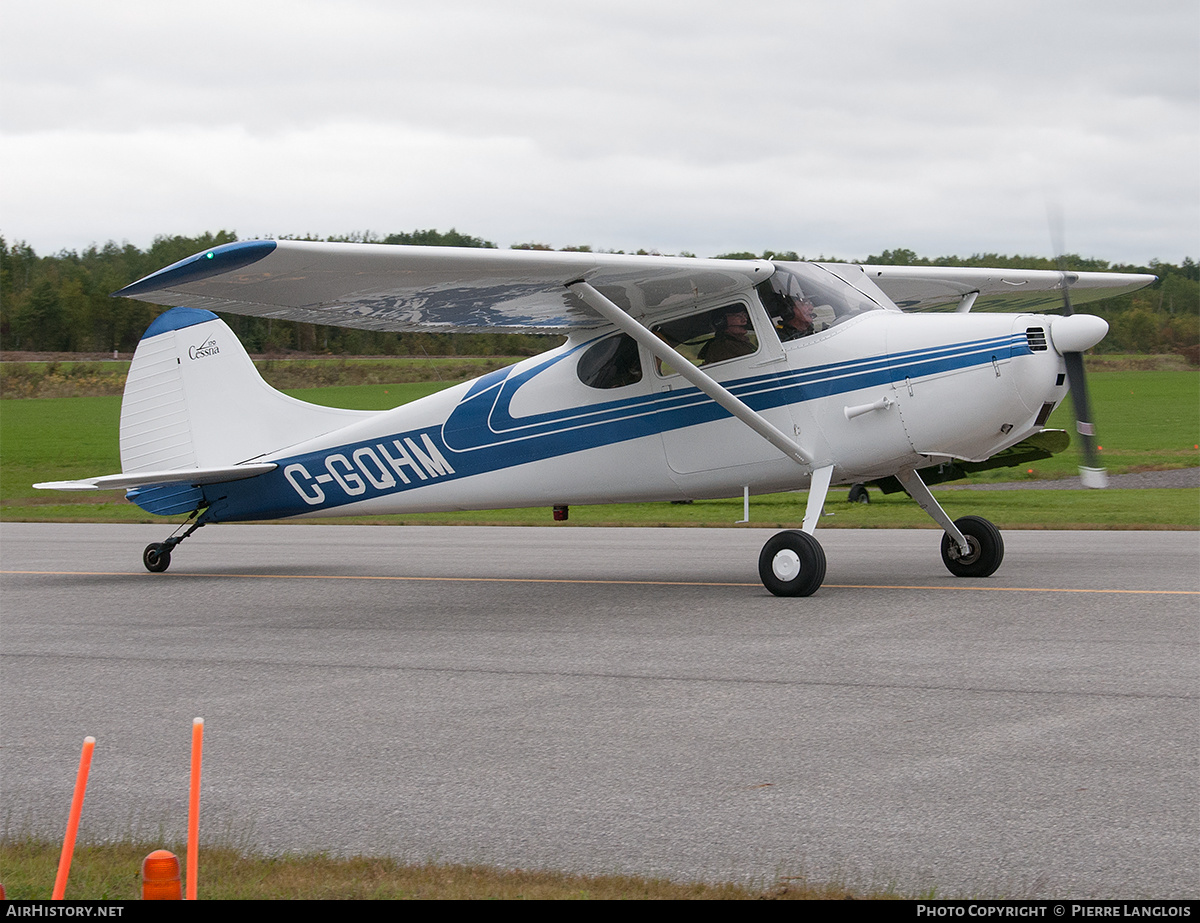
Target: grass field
{"x":1147,"y":419}
{"x":112,"y":872}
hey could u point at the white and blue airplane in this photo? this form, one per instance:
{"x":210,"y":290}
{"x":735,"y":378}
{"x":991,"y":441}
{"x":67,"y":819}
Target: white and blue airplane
{"x":680,"y":379}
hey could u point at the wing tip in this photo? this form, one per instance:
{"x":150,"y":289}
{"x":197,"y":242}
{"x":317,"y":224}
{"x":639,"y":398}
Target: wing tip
{"x":212,"y":262}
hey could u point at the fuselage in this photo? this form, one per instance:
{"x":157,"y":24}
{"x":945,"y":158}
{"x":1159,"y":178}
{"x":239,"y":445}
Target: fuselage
{"x":873,"y":393}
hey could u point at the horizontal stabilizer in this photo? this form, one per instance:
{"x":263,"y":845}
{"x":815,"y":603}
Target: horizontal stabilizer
{"x":191,"y":476}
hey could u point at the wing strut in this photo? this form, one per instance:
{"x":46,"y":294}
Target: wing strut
{"x":756,"y":421}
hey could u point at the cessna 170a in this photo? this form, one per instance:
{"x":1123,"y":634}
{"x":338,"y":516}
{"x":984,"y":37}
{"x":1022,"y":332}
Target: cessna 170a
{"x":680,"y":379}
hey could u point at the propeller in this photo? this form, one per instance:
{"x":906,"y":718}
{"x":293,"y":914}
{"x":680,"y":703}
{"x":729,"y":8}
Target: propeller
{"x":1072,"y":334}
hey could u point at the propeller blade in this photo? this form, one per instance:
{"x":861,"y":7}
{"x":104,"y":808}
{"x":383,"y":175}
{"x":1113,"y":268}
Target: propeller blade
{"x":1091,"y":472}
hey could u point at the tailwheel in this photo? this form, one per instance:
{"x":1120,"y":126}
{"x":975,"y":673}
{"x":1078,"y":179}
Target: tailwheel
{"x":792,"y":564}
{"x":156,"y":558}
{"x":986,"y":548}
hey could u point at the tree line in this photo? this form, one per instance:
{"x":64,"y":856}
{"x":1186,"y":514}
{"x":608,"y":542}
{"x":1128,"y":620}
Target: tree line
{"x":61,"y":302}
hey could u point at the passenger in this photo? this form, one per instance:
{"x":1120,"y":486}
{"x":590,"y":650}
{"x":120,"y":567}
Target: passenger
{"x":732,"y":335}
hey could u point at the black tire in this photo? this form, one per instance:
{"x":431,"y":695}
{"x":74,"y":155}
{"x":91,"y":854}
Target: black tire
{"x":792,"y":564}
{"x":987,"y":549}
{"x":858,"y":494}
{"x":156,"y":558}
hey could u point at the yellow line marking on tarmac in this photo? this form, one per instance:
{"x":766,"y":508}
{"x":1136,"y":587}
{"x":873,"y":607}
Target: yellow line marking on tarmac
{"x":1004,"y":589}
{"x":827,"y":586}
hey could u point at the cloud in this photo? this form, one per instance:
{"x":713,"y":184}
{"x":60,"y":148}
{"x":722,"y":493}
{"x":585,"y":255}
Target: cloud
{"x":938,"y":126}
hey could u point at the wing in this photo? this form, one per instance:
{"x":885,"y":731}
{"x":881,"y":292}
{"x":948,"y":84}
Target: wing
{"x":919,"y":288}
{"x":382,"y":287}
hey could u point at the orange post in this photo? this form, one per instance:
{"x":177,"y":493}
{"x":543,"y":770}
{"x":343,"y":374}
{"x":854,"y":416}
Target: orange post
{"x":160,"y":877}
{"x":193,"y":849}
{"x":68,"y":850}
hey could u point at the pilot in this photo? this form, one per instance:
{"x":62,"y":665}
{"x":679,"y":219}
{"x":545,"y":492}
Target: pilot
{"x":732,"y":335}
{"x":796,"y":320}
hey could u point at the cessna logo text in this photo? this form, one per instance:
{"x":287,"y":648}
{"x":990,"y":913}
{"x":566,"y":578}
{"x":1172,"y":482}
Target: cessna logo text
{"x":382,"y":466}
{"x":207,"y":348}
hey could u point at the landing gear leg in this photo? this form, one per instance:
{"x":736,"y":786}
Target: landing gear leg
{"x":972,"y":546}
{"x":793,"y":563}
{"x":157,"y":556}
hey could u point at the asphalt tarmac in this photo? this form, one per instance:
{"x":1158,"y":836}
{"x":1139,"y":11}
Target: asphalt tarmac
{"x":632,"y":700}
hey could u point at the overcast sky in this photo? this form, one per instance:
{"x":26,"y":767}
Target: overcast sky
{"x":830,"y":128}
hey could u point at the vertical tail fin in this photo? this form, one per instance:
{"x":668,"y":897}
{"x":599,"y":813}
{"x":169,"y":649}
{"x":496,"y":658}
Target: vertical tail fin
{"x":193,"y":399}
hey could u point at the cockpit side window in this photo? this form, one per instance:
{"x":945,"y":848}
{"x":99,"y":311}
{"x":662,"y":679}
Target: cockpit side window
{"x":611,"y":363}
{"x":802,"y":300}
{"x":713,"y":336}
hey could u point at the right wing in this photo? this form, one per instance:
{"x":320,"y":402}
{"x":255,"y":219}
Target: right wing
{"x":920,"y":288}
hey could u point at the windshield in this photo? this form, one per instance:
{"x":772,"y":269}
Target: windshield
{"x":803,"y":299}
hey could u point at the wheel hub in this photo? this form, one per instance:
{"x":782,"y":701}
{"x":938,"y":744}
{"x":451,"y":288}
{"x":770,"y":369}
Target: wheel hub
{"x":972,"y":554}
{"x":786,"y":564}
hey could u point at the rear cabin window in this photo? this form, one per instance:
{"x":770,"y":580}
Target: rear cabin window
{"x":611,"y":363}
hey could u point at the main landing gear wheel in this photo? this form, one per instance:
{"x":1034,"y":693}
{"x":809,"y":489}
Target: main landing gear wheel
{"x":792,"y":564}
{"x":987,"y":548}
{"x":858,"y":494}
{"x":157,"y":558}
